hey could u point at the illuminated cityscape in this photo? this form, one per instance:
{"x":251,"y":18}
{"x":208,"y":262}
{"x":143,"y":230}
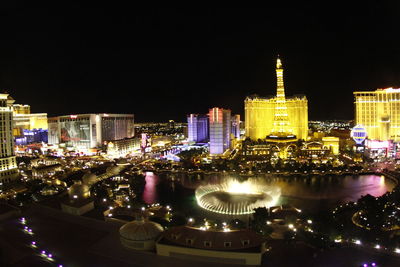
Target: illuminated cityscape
{"x":226,"y":137}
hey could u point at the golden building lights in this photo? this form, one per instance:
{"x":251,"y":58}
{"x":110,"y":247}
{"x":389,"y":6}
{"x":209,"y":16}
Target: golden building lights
{"x":379,"y":113}
{"x":264,"y":116}
{"x":8,"y":163}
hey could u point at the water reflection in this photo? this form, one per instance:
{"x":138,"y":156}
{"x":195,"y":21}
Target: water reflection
{"x":150,"y":194}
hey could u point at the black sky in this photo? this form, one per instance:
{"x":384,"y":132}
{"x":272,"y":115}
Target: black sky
{"x":162,"y":64}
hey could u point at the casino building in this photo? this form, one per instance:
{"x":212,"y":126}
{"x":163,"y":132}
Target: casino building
{"x":8,"y":163}
{"x":273,"y":125}
{"x":29,"y":127}
{"x":198,"y":128}
{"x":377,"y":113}
{"x":261,"y":113}
{"x":220,"y":130}
{"x":85,"y":131}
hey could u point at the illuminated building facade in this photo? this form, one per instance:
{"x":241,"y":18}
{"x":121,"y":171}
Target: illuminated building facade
{"x":379,"y":113}
{"x":380,"y":149}
{"x":8,"y":163}
{"x":235,"y":127}
{"x":332,"y":143}
{"x":278,"y":114}
{"x":27,"y":124}
{"x":21,"y":109}
{"x":197,"y":128}
{"x":31,"y":136}
{"x":220,"y":130}
{"x":123,"y":147}
{"x":314,"y":150}
{"x":86,"y":131}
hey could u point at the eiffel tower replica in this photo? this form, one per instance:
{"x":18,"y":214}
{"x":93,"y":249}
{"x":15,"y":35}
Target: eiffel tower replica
{"x":281,"y":138}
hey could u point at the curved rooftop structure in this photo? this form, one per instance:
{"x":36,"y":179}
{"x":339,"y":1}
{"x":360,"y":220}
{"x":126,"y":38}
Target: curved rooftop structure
{"x":140,"y":230}
{"x":89,"y":178}
{"x":78,"y":191}
{"x":140,"y":234}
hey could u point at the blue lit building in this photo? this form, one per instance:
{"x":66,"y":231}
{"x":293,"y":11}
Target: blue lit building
{"x":197,"y":128}
{"x":32,"y":136}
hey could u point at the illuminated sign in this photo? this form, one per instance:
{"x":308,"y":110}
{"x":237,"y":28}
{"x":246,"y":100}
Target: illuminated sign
{"x":358,"y":133}
{"x":144,"y":140}
{"x":376,"y":144}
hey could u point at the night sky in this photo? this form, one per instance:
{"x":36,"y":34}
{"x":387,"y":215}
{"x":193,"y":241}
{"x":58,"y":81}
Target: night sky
{"x":162,"y":64}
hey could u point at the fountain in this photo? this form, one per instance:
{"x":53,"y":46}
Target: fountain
{"x":237,"y":198}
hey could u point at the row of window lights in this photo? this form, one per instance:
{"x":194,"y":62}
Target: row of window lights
{"x":209,"y":243}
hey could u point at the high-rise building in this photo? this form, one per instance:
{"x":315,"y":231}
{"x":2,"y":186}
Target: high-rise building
{"x":276,"y":115}
{"x":197,"y":128}
{"x":235,"y":127}
{"x":86,"y":131}
{"x":8,"y":163}
{"x":220,"y":130}
{"x":379,"y":113}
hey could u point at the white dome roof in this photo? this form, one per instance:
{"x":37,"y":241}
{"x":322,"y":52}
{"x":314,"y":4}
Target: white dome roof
{"x":140,"y":230}
{"x":89,"y":178}
{"x":78,"y":191}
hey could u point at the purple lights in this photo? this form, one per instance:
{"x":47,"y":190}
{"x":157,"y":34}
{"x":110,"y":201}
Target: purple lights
{"x":197,"y":128}
{"x":150,"y":193}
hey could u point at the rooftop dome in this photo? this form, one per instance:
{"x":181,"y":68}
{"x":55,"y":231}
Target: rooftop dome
{"x":89,"y":178}
{"x":78,"y":191}
{"x":141,"y":230}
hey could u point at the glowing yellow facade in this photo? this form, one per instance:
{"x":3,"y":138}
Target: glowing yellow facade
{"x":21,"y":109}
{"x":8,"y":162}
{"x":277,"y":115}
{"x":332,"y":143}
{"x":25,"y":120}
{"x":281,"y":120}
{"x":379,"y":112}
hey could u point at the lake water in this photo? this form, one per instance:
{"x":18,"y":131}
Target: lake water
{"x":306,"y":193}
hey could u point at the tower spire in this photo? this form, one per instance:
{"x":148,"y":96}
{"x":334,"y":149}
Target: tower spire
{"x":281,"y":121}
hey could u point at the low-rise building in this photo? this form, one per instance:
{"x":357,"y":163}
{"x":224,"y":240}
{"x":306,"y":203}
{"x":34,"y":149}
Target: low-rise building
{"x":228,"y":247}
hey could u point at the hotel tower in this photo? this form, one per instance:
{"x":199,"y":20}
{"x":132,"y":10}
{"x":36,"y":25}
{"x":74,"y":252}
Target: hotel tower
{"x":8,"y":163}
{"x":220,"y":130}
{"x":379,"y":113}
{"x":276,"y":116}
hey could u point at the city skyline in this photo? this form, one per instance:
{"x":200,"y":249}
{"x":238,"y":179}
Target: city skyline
{"x":163,"y":64}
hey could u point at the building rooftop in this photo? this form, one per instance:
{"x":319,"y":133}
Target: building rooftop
{"x":140,"y":230}
{"x":234,"y":240}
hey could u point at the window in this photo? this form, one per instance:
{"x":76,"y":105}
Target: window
{"x":207,"y":243}
{"x":189,"y":241}
{"x":227,"y":244}
{"x":245,"y":242}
